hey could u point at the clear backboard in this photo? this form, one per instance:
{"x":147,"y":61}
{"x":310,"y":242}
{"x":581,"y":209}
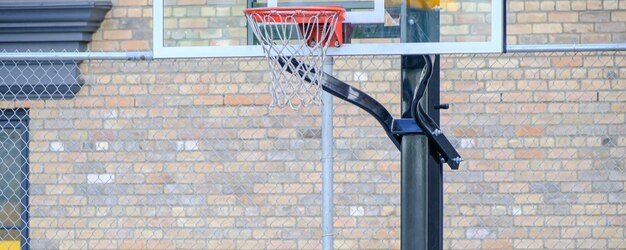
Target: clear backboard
{"x":212,"y":28}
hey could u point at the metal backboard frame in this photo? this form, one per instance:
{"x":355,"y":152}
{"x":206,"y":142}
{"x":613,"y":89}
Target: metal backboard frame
{"x":376,"y":15}
{"x":496,"y":45}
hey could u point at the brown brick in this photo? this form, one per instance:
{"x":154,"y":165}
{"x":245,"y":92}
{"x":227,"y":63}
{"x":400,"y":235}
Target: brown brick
{"x":594,"y":16}
{"x":531,"y":108}
{"x":135,"y":45}
{"x":560,"y":243}
{"x":531,"y":17}
{"x":117,"y":34}
{"x":132,"y":2}
{"x":591,"y":243}
{"x":618,"y":16}
{"x":191,"y":2}
{"x":547,"y":28}
{"x":208,"y":100}
{"x":579,"y":5}
{"x":238,"y":100}
{"x":530,"y":131}
{"x":566,"y":62}
{"x":610,"y":27}
{"x":532,"y":5}
{"x":469,"y":18}
{"x":548,"y":5}
{"x":497,"y":244}
{"x":595,"y":38}
{"x":136,"y":12}
{"x":104,"y":46}
{"x":530,"y":153}
{"x":515,"y":6}
{"x":569,"y":17}
{"x":187,"y":23}
{"x":617,"y":244}
{"x":159,"y":178}
{"x":515,"y":29}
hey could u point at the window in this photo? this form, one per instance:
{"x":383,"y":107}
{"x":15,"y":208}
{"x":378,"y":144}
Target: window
{"x":14,"y":179}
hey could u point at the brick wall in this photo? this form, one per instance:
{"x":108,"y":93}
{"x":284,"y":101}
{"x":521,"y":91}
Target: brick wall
{"x":185,"y":154}
{"x":541,"y":22}
{"x":543,"y":137}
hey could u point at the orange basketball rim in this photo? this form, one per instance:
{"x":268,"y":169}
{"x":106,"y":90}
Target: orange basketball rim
{"x":309,"y":19}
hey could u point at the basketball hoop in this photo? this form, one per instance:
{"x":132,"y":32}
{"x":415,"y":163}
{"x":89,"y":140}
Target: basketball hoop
{"x":300,"y":33}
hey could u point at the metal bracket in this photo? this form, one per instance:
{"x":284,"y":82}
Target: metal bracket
{"x":428,"y":125}
{"x":405,"y":126}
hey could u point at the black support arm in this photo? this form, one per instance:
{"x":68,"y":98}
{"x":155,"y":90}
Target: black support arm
{"x":393,"y":127}
{"x":364,"y":101}
{"x":352,"y":95}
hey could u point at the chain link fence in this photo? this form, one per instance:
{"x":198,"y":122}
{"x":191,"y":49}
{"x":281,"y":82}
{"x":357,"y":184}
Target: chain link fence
{"x":186,"y":154}
{"x":544,"y":138}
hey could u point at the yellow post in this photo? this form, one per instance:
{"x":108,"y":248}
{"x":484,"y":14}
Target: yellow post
{"x":418,"y":4}
{"x":9,"y":245}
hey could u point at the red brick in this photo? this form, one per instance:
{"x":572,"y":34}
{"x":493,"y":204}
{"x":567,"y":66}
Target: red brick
{"x":238,"y":100}
{"x":497,"y":244}
{"x":530,"y":131}
{"x":566,"y":62}
{"x":191,"y":2}
{"x":117,"y":34}
{"x":530,"y":153}
{"x":132,"y":2}
{"x":135,"y":45}
{"x":571,"y":17}
{"x":194,"y":23}
{"x":159,"y":178}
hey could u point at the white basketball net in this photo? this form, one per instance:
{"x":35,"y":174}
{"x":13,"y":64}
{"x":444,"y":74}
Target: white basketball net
{"x":282,"y":37}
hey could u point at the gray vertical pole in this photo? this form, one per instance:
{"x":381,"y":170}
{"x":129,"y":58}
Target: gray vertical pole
{"x":420,"y":230}
{"x":327,"y":162}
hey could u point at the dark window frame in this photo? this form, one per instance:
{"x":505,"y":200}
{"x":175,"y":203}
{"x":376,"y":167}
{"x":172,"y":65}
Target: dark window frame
{"x":19,"y":119}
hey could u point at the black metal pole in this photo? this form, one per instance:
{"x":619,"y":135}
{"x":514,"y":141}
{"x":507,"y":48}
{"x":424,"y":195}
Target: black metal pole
{"x":421,"y":181}
{"x":414,"y":161}
{"x":435,"y":168}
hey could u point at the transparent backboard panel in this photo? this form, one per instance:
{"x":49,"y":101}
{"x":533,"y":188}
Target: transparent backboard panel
{"x":465,"y":21}
{"x":566,"y":22}
{"x":451,"y":21}
{"x":351,"y":5}
{"x":444,"y":24}
{"x":204,"y":23}
{"x":221,"y":23}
